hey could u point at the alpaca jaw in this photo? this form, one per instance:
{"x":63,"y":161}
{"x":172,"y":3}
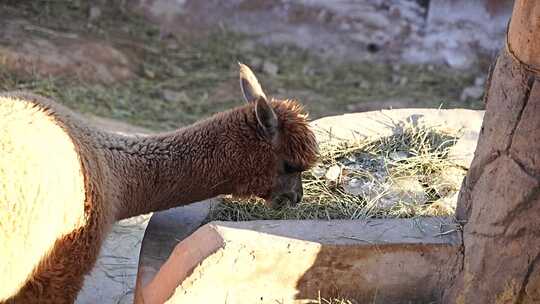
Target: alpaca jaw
{"x":289,"y":190}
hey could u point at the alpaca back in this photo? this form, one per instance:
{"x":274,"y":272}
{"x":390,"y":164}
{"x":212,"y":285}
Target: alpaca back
{"x":43,"y":190}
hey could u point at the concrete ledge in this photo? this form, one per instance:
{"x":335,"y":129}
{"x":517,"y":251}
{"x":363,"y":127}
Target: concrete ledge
{"x":164,"y":231}
{"x":386,"y":122}
{"x":392,"y":261}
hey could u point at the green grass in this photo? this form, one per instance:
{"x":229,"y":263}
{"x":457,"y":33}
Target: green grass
{"x":374,"y":164}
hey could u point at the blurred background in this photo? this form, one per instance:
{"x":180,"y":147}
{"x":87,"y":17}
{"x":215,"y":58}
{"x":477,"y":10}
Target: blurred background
{"x":160,"y":64}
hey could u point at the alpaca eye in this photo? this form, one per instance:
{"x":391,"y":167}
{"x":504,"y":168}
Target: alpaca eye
{"x":289,"y":168}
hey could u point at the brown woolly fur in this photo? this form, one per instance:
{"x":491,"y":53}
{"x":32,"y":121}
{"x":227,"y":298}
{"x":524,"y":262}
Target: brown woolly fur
{"x":296,"y":138}
{"x":64,"y":182}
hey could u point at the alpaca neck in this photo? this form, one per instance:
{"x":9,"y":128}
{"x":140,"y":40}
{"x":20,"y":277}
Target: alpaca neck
{"x":163,"y":171}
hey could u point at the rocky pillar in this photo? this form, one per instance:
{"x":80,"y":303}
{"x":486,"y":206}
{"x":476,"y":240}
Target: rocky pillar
{"x":499,"y":202}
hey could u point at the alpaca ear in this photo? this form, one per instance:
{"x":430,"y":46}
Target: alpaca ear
{"x":251,"y":89}
{"x":253,"y":93}
{"x":266,"y":116}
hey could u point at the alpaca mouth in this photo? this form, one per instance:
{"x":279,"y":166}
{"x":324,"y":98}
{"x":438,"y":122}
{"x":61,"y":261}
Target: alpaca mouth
{"x":285,"y":199}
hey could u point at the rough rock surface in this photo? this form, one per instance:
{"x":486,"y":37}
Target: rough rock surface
{"x":499,"y":202}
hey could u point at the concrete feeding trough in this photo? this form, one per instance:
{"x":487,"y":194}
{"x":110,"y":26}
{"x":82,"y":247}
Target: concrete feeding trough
{"x":296,"y":261}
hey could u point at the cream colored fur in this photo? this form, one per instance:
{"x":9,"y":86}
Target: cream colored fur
{"x":39,"y":167}
{"x":54,"y":206}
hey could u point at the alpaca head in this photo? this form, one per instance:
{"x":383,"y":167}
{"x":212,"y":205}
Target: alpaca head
{"x":283,"y":148}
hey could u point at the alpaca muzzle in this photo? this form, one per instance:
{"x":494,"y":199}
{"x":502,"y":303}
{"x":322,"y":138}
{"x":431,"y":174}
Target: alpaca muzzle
{"x":290,"y":198}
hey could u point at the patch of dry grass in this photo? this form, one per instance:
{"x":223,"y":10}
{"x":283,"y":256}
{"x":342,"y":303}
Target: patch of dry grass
{"x":331,"y":300}
{"x":375,"y":167}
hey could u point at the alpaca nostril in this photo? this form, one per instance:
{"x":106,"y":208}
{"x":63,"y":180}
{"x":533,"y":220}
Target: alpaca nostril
{"x":299,"y":197}
{"x":289,"y":198}
{"x":293,"y":197}
{"x":299,"y":190}
{"x":299,"y":194}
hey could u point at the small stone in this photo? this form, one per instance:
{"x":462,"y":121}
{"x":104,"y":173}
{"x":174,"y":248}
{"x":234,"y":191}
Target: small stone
{"x":398,"y":155}
{"x":387,"y":201}
{"x":248,"y":46}
{"x":255,"y":62}
{"x":360,"y":37}
{"x":333,"y":173}
{"x":178,"y":71}
{"x":479,"y":81}
{"x":403,"y":81}
{"x":149,"y":73}
{"x":474,"y":93}
{"x":408,"y":190}
{"x":357,"y":187}
{"x":376,"y":20}
{"x":270,"y":68}
{"x":94,"y":14}
{"x":324,"y":16}
{"x":462,"y":152}
{"x":354,"y":166}
{"x":344,"y":26}
{"x":458,"y":58}
{"x":318,"y":171}
{"x":348,"y":160}
{"x":308,"y":70}
{"x":450,"y":201}
{"x":394,"y":12}
{"x":351,"y":107}
{"x":355,"y":182}
{"x":380,"y":176}
{"x":448,"y":181}
{"x":364,"y":84}
{"x":174,"y":96}
{"x":75,"y":3}
{"x":172,"y":44}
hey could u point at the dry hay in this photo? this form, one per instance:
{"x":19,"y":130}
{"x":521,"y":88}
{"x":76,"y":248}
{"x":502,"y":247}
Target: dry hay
{"x":401,"y":176}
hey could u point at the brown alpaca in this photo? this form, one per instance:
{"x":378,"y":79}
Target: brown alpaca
{"x":63,"y":182}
